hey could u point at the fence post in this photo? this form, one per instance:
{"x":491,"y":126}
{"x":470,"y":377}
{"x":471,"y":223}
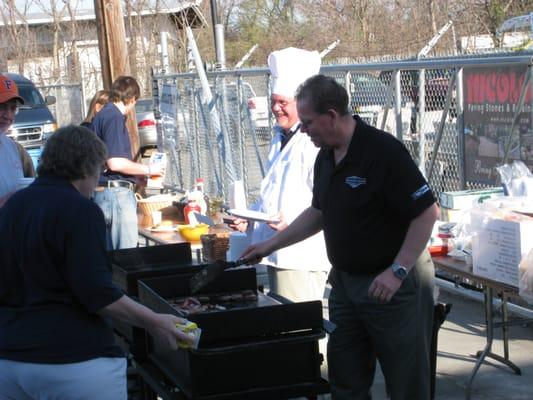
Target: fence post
{"x":420,"y":118}
{"x":398,"y":104}
{"x":460,"y":127}
{"x":240,"y":123}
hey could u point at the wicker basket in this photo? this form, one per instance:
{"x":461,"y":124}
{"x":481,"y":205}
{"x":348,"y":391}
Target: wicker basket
{"x":215,"y":246}
{"x":152,"y":203}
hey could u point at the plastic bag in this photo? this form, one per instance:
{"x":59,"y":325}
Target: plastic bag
{"x":525,"y":278}
{"x":517,"y":179}
{"x":506,"y":208}
{"x":478,"y":217}
{"x":462,"y":239}
{"x":462,"y":245}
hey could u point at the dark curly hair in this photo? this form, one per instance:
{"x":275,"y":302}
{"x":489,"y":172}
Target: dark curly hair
{"x":72,"y":152}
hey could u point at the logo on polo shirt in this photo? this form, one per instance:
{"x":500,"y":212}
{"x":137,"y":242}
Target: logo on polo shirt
{"x":420,"y":192}
{"x":355,"y":181}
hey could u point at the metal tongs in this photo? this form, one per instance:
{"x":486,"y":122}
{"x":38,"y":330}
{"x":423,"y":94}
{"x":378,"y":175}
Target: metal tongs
{"x":211,"y":271}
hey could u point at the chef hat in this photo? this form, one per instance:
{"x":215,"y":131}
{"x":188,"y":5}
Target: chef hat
{"x":290,"y":67}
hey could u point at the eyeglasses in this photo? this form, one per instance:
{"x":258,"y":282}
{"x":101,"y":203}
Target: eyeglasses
{"x":6,"y":107}
{"x":281,"y":103}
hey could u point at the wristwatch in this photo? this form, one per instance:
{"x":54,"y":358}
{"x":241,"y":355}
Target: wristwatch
{"x":399,"y":271}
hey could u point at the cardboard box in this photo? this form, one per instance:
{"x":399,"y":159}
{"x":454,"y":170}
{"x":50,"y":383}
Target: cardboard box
{"x":156,"y":182}
{"x":499,"y":246}
{"x":465,"y":199}
{"x":450,"y":215}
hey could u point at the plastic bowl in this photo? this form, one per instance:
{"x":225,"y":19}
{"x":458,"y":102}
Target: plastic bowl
{"x":193,"y":233}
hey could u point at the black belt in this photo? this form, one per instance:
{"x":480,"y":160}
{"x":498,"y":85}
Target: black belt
{"x":116,"y":184}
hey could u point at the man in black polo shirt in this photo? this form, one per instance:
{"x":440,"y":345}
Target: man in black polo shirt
{"x":114,"y":194}
{"x":377,"y":213}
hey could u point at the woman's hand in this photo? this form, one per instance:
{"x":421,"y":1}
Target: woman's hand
{"x":161,"y":326}
{"x":164,"y":330}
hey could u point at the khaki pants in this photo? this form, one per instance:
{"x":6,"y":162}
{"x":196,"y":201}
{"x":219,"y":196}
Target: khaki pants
{"x":398,"y":334}
{"x":297,"y":285}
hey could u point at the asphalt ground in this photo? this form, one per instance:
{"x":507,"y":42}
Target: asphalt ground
{"x":461,"y":336}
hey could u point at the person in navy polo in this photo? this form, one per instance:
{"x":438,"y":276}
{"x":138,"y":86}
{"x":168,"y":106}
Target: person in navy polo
{"x":114,"y":193}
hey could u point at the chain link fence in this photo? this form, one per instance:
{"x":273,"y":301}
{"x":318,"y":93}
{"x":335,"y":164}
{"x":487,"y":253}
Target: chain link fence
{"x":69,"y":107}
{"x":225,"y":136}
{"x":217,"y":135}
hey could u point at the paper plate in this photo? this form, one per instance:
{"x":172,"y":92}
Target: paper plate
{"x":253,"y":215}
{"x":163,"y":228}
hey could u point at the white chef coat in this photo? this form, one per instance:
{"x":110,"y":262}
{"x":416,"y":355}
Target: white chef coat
{"x":288,"y":187}
{"x":10,"y":165}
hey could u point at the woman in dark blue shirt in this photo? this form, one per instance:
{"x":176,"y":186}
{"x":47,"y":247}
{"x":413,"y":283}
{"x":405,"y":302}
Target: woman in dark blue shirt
{"x":56,"y":291}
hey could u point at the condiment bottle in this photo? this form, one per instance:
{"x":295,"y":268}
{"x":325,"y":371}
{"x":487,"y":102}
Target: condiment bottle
{"x":189,"y":210}
{"x":203,"y":200}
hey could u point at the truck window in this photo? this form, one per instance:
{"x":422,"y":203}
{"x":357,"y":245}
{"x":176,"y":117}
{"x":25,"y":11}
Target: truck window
{"x":31,"y":96}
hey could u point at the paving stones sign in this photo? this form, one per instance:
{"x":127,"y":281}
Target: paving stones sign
{"x":491,"y":98}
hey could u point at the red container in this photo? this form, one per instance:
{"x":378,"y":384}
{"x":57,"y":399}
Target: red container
{"x":443,"y":247}
{"x":438,"y":250}
{"x":190,"y":207}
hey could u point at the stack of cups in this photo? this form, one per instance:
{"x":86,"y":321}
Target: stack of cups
{"x":238,"y":242}
{"x":237,"y":196}
{"x":156,"y":218}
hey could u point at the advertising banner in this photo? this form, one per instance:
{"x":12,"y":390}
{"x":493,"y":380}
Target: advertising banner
{"x":491,"y":98}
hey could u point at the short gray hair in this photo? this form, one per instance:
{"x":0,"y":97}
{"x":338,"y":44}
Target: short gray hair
{"x":323,"y":93}
{"x":73,"y":152}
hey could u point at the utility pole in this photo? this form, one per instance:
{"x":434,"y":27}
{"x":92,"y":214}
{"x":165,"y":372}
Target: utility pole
{"x":114,"y":58}
{"x":164,"y":51}
{"x":218,"y":34}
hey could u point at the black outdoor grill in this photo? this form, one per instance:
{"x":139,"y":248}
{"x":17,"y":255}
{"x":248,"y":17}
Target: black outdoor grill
{"x":252,"y":347}
{"x":130,"y":265}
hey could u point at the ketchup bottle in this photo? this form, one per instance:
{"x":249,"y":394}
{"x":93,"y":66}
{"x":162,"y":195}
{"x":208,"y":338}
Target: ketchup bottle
{"x":191,"y":207}
{"x":203,"y":200}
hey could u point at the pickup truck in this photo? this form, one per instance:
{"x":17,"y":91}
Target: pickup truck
{"x":34,"y":122}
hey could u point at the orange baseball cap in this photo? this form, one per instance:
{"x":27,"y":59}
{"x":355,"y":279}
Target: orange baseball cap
{"x":9,"y":90}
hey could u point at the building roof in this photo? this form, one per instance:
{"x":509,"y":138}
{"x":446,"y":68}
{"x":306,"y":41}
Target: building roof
{"x":39,"y":13}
